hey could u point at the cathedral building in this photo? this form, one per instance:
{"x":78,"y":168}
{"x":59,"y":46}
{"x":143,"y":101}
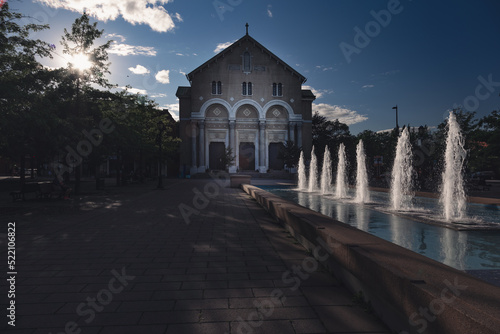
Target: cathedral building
{"x":247,"y":99}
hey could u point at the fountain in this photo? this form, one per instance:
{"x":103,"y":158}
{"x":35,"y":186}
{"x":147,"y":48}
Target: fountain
{"x":341,"y":186}
{"x":402,"y":172}
{"x":362,"y":194}
{"x":452,"y":198}
{"x":313,"y":173}
{"x":302,"y":184}
{"x":326,"y":173}
{"x":466,"y":237}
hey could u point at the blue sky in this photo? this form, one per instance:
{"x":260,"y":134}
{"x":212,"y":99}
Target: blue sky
{"x":360,"y":57}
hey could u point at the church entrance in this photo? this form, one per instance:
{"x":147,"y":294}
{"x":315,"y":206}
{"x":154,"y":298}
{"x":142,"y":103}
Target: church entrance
{"x":275,"y":163}
{"x":216,"y":153}
{"x":247,"y":156}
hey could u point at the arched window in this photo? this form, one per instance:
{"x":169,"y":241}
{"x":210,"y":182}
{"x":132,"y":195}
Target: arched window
{"x":214,"y":88}
{"x":249,"y":88}
{"x":219,"y":88}
{"x":247,"y":63}
{"x":244,"y":89}
{"x":280,"y":89}
{"x":274,"y":89}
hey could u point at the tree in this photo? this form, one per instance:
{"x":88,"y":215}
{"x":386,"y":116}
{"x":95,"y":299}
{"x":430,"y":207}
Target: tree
{"x":290,"y":154}
{"x":228,"y":158}
{"x":24,"y":121}
{"x":490,"y":144}
{"x":87,"y":65}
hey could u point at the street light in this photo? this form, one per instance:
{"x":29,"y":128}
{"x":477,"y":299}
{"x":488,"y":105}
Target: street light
{"x":161,"y":128}
{"x":397,"y":125}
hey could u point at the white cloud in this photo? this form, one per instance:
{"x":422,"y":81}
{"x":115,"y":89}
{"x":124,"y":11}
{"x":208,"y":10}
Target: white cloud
{"x":154,"y":96}
{"x":344,"y":115}
{"x":178,"y":17}
{"x":269,"y":12}
{"x":368,"y":86}
{"x":131,"y":50}
{"x":121,"y":37}
{"x":173,"y":109}
{"x":149,"y":12}
{"x":222,"y":46}
{"x":324,"y":68}
{"x":135,"y":90}
{"x":163,"y":76}
{"x":318,"y":92}
{"x":139,"y":69}
{"x":179,"y":54}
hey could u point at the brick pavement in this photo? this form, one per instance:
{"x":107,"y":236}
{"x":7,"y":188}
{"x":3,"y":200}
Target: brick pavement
{"x":129,"y":263}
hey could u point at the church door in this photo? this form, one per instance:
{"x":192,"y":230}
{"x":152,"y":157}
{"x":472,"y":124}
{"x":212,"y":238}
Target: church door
{"x":274,"y":151}
{"x":247,"y":156}
{"x":216,"y":152}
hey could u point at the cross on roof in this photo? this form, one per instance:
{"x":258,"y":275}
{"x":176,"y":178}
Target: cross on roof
{"x":246,"y":25}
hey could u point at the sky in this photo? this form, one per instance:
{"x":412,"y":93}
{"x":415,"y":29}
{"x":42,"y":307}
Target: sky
{"x":360,"y":57}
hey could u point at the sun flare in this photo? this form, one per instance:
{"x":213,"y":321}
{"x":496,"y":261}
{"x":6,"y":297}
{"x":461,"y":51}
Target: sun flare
{"x":80,"y":61}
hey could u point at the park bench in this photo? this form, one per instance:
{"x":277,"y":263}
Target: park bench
{"x":41,"y":190}
{"x":25,"y":189}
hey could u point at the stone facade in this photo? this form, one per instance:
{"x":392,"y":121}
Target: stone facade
{"x":247,"y":99}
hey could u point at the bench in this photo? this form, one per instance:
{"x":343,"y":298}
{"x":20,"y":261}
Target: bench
{"x":25,"y":189}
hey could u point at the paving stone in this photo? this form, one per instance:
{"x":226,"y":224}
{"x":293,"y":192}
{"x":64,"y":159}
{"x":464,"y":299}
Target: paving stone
{"x":150,"y":329}
{"x":170,"y":317}
{"x":226,"y":293}
{"x":327,"y":296}
{"x":308,"y":326}
{"x":206,"y":328}
{"x":208,"y":276}
{"x":262,"y":327}
{"x":201,"y":304}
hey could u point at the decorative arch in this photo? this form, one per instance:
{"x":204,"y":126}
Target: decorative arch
{"x":247,"y":111}
{"x":291,"y":114}
{"x":216,"y":110}
{"x":237,"y":105}
{"x":201,"y":114}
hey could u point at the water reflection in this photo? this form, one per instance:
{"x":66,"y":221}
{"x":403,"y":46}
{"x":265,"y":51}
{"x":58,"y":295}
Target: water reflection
{"x":464,"y":250}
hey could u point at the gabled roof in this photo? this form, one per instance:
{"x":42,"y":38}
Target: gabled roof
{"x":230,"y":48}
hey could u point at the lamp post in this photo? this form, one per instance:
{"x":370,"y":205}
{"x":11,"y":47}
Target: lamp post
{"x":397,"y":125}
{"x":161,"y":128}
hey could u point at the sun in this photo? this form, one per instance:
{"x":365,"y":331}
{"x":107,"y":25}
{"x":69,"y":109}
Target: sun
{"x":80,"y":61}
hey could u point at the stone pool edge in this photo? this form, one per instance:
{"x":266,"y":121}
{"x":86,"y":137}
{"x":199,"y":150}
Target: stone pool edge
{"x":408,"y":291}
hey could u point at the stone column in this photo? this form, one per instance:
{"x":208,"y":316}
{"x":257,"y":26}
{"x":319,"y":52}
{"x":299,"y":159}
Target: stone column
{"x":291,"y":126}
{"x":202,"y":146}
{"x":232,"y":143}
{"x":194,"y":163}
{"x":262,"y":147}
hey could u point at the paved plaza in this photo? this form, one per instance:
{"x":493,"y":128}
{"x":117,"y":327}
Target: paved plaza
{"x":196,"y":257}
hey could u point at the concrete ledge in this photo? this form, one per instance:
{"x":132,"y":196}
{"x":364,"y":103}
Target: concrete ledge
{"x":408,"y":291}
{"x":239,"y":179}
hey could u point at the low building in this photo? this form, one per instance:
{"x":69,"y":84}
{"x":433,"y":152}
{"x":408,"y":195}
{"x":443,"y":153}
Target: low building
{"x":246,"y":99}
